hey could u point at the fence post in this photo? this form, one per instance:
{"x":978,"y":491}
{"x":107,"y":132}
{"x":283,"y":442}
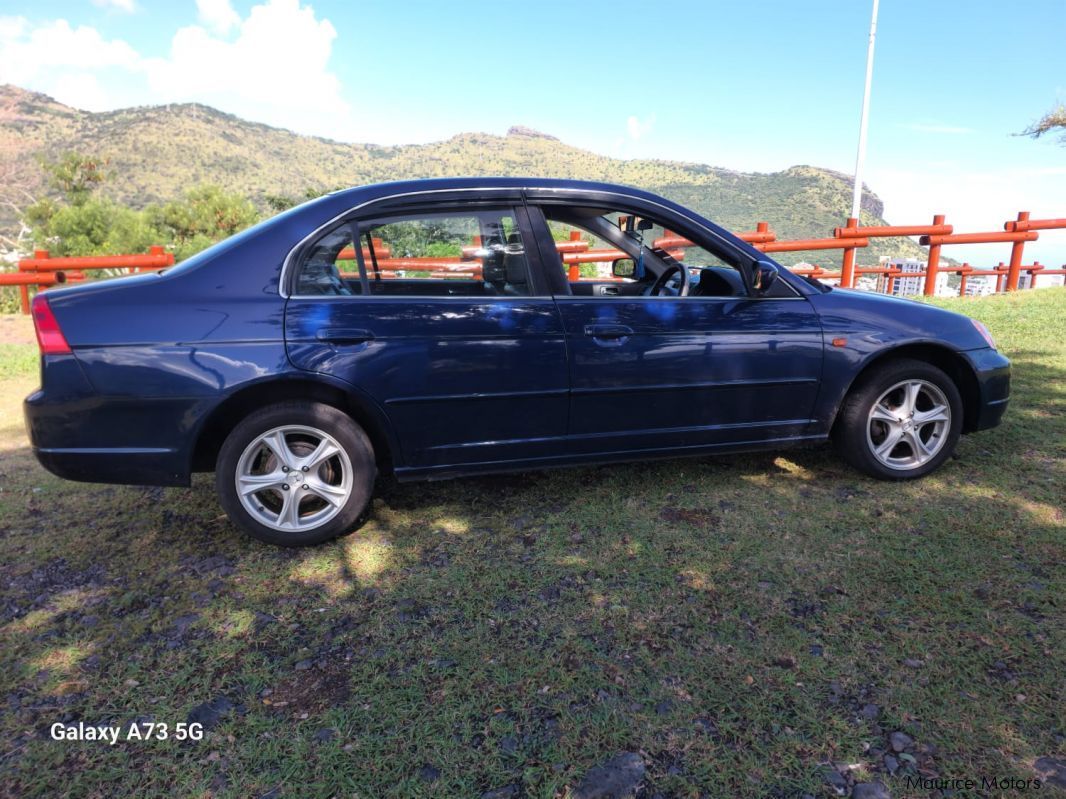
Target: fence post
{"x":847,"y":269}
{"x":24,"y":291}
{"x":1016,"y":257}
{"x":575,"y":268}
{"x":962,"y":278}
{"x":155,"y":249}
{"x":1037,"y":266}
{"x":890,"y":279}
{"x":933,"y":264}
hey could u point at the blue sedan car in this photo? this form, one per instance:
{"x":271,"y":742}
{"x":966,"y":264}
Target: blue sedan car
{"x":438,"y":328}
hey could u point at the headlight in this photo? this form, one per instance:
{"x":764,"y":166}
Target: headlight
{"x":986,"y":334}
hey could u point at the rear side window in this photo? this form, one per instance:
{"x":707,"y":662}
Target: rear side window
{"x":473,"y":253}
{"x":329,"y":267}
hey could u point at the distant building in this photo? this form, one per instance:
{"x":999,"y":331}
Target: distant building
{"x":980,"y":286}
{"x":806,"y":265}
{"x":904,"y":286}
{"x":866,"y":283}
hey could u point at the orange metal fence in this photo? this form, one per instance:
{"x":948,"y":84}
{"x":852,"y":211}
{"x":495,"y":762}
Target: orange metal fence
{"x":42,"y":271}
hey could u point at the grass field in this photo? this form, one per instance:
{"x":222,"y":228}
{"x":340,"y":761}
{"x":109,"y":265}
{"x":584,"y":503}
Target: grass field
{"x":747,"y":626}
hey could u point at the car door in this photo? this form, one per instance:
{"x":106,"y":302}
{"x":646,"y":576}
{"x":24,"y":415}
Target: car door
{"x":664,"y":372}
{"x":441,"y":317}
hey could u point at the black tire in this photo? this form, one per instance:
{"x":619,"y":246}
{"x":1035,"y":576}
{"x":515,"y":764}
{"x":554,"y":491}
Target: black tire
{"x":319,"y":417}
{"x":850,"y":437}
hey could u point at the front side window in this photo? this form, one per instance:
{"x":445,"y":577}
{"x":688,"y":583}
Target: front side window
{"x":597,"y":245}
{"x":473,"y":253}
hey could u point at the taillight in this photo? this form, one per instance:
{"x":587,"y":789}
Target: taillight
{"x":49,"y":337}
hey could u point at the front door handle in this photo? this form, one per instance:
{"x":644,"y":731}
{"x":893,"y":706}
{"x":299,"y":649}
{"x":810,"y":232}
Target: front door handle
{"x":609,"y":335}
{"x":344,"y":335}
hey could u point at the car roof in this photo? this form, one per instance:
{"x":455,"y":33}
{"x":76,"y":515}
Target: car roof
{"x":370,"y":191}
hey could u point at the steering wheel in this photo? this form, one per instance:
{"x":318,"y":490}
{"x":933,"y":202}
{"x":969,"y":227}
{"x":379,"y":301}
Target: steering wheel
{"x":662,"y":286}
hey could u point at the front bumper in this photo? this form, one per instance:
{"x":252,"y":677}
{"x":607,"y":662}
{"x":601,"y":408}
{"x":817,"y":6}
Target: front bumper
{"x":992,"y":370}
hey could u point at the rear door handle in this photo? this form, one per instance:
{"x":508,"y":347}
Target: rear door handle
{"x":609,"y":335}
{"x":344,"y":335}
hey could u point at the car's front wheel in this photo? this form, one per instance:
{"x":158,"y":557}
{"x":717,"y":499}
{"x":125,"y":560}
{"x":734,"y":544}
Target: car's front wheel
{"x":296,"y":474}
{"x":900,"y":422}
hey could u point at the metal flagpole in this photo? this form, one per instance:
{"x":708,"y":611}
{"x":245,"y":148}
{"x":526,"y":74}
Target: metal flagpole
{"x":860,"y":157}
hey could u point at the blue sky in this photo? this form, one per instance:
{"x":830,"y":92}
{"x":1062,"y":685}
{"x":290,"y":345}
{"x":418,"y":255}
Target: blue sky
{"x":754,"y":86}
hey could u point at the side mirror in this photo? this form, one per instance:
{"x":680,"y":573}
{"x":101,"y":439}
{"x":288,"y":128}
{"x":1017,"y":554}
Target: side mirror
{"x":763,"y":276}
{"x":623,"y":267}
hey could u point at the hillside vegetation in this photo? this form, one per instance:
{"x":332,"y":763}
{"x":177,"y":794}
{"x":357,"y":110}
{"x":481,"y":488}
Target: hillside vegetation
{"x":156,"y":154}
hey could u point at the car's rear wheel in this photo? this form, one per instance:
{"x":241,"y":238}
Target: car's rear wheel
{"x":901,"y":421}
{"x":296,"y":474}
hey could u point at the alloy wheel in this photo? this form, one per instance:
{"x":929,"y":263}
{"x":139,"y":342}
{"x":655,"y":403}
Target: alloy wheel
{"x":294,"y":478}
{"x":908,"y":425}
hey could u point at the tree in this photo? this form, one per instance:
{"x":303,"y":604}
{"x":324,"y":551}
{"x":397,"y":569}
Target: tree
{"x":283,"y":202}
{"x":75,"y":176}
{"x":94,"y":227}
{"x":79,"y":223}
{"x":1054,"y":120}
{"x":203,"y":216}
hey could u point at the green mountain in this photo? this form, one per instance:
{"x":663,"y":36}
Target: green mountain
{"x":157,"y":152}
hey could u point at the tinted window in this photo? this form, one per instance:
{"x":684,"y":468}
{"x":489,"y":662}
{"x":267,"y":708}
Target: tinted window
{"x":329,"y":266}
{"x":590,"y":242}
{"x":475,"y":253}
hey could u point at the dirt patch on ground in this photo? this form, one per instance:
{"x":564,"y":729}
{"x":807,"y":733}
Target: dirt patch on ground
{"x":16,"y":329}
{"x":697,"y":517}
{"x":314,"y":688}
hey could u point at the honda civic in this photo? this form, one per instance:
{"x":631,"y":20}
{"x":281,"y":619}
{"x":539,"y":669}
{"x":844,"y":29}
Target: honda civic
{"x":440,"y":328}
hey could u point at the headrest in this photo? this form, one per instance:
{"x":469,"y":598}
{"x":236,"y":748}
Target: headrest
{"x":492,"y":263}
{"x":515,"y":260}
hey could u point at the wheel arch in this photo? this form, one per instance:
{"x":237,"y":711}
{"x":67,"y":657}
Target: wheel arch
{"x":228,"y":413}
{"x":950,"y":361}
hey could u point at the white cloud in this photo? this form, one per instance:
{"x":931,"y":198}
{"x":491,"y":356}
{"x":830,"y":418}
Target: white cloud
{"x":218,"y":15}
{"x":638,"y":128}
{"x":85,"y":87}
{"x":127,"y":6}
{"x":68,"y":49}
{"x":976,"y":201}
{"x":247,"y":76}
{"x":244,"y":74}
